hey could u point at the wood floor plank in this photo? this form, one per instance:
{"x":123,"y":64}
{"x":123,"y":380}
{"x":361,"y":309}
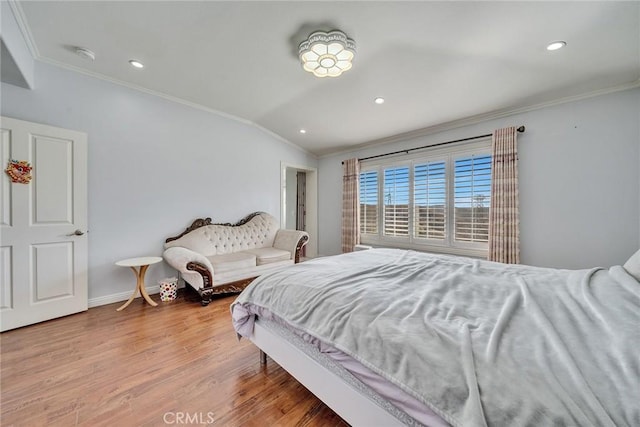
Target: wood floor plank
{"x":147,"y":366}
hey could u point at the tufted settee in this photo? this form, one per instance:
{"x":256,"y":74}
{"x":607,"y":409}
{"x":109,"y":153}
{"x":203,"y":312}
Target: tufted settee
{"x":225,"y":258}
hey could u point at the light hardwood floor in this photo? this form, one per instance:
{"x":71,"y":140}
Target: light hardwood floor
{"x":175,"y":364}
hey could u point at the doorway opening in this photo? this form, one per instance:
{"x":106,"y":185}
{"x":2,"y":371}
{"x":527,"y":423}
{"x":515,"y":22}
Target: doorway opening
{"x":299,"y":206}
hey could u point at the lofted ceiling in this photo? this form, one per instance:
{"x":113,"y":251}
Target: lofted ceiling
{"x":433,"y":62}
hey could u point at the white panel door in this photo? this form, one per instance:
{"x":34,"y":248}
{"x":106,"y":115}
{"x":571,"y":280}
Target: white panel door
{"x":43,"y":224}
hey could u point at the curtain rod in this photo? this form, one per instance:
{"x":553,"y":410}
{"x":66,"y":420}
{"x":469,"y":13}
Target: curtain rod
{"x":520,"y":130}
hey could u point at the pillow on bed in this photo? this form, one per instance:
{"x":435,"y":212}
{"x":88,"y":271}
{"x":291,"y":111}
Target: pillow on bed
{"x":633,"y":265}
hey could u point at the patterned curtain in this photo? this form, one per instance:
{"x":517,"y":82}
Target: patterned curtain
{"x":504,"y":215}
{"x":350,"y":204}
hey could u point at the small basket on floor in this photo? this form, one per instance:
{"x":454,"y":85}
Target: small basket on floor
{"x":168,"y":289}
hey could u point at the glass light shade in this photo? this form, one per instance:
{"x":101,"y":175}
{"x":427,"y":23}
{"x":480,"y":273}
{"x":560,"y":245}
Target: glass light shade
{"x":327,"y":54}
{"x":310,"y":56}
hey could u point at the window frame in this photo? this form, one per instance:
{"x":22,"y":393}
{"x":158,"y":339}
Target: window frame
{"x":360,"y":193}
{"x":449,"y":245}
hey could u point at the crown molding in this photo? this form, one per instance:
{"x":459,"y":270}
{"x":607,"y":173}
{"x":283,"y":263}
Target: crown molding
{"x":430,"y":130}
{"x":174,"y":99}
{"x":18,"y":14}
{"x":472,"y":120}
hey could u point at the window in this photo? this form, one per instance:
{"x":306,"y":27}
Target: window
{"x":430,"y":200}
{"x":369,"y":202}
{"x":437,"y":201}
{"x":396,"y":201}
{"x":472,"y":197}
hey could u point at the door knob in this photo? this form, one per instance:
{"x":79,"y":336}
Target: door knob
{"x":76,"y":233}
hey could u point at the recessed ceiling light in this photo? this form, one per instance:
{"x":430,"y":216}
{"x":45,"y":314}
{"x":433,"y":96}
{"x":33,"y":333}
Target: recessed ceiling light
{"x":135,"y":63}
{"x":85,"y":53}
{"x":556,"y":45}
{"x":303,"y":131}
{"x":379,"y":100}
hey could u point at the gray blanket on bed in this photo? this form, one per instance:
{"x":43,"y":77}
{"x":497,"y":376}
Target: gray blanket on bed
{"x":481,"y":343}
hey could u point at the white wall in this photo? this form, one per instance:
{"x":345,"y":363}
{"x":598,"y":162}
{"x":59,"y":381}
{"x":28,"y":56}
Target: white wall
{"x":154,"y":166}
{"x":579,"y":181}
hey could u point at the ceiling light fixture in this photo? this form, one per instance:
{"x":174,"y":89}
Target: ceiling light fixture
{"x":85,"y":53}
{"x":327,"y":54}
{"x":379,"y":100}
{"x":135,"y":63}
{"x":556,"y":45}
{"x":303,"y":131}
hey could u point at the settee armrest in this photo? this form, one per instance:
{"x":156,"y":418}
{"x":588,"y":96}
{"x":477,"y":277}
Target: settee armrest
{"x":292,"y":241}
{"x":194,"y":267}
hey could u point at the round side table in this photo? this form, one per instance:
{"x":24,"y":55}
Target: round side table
{"x":139,"y":267}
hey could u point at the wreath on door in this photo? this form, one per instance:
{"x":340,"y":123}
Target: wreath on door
{"x":19,"y":171}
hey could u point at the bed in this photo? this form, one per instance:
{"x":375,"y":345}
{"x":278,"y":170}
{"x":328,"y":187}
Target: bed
{"x":394,"y":337}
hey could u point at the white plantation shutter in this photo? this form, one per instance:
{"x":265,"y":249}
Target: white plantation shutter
{"x":472,"y":198}
{"x":369,"y":202}
{"x":429,"y":200}
{"x":396,"y":201}
{"x":433,"y":201}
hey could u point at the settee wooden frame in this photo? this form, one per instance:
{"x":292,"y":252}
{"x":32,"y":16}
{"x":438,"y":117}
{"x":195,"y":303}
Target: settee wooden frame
{"x":209,"y":289}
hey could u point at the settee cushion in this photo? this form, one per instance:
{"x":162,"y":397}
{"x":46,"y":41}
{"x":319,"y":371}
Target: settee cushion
{"x":233,"y":261}
{"x":218,"y":239}
{"x":269,"y":255}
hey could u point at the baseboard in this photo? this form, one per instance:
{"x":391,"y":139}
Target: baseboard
{"x":123,"y":296}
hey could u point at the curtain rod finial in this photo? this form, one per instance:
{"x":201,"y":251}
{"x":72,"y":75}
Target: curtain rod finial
{"x":521,"y":129}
